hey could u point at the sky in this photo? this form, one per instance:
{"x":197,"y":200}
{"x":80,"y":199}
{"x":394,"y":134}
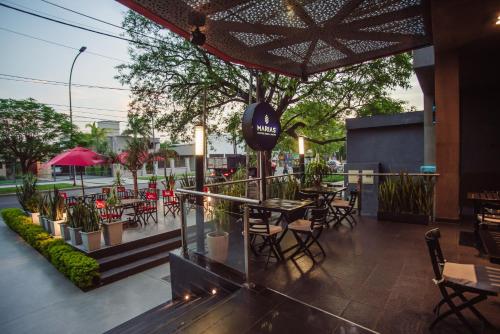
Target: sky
{"x":23,"y":56}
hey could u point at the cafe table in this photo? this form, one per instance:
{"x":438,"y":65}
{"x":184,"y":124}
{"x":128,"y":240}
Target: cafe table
{"x":286,"y":208}
{"x":130,"y":203}
{"x":329,"y":193}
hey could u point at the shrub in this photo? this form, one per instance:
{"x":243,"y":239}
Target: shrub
{"x":82,"y":270}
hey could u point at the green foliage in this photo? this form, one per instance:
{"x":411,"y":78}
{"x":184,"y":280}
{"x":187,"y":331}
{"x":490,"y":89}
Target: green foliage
{"x":175,"y":72}
{"x":316,"y":170}
{"x":118,"y":181}
{"x":98,"y":138}
{"x":91,"y":221}
{"x":284,"y":187}
{"x":27,"y":194}
{"x":187,"y":181}
{"x":82,"y":270}
{"x":407,"y":194}
{"x":31,"y":131}
{"x":77,"y":214}
{"x":153,"y":179}
{"x":55,"y":204}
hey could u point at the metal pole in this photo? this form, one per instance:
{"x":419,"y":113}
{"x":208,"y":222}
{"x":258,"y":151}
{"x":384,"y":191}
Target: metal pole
{"x":182,"y":214}
{"x":246,"y":212}
{"x":360,"y":182}
{"x":200,"y":228}
{"x":263,"y":193}
{"x":302,"y":169}
{"x":82,"y":49}
{"x":154,"y":143}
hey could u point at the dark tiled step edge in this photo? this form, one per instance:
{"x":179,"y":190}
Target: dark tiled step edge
{"x":132,"y":268}
{"x":108,"y":251}
{"x":128,"y":256}
{"x":167,"y":319}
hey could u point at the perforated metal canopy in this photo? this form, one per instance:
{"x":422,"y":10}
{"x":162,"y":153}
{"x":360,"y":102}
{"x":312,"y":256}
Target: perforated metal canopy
{"x":297,"y":37}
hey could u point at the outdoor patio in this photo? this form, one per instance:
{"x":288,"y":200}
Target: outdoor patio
{"x":378,"y":275}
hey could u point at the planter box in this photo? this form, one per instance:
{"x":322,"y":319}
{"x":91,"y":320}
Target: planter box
{"x":55,"y":230}
{"x":91,"y":240}
{"x":404,"y":218}
{"x":75,"y":236}
{"x":112,"y":233}
{"x":45,"y":224}
{"x":35,"y":218}
{"x":218,"y":245}
{"x":64,"y":229}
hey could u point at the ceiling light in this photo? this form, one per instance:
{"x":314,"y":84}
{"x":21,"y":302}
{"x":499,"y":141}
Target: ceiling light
{"x":186,"y":297}
{"x":498,"y":20}
{"x":214,"y":291}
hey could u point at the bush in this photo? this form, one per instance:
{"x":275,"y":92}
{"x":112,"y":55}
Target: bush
{"x":82,"y":270}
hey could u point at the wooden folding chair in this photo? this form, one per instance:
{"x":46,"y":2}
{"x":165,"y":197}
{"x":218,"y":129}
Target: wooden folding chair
{"x":308,"y":231}
{"x":345,"y":209}
{"x":170,"y":203}
{"x":258,"y":226}
{"x":105,"y":212}
{"x":148,"y":209}
{"x":454,"y":279}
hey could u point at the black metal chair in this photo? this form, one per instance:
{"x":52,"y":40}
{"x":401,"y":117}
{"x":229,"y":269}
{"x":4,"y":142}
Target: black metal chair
{"x":453,"y":280}
{"x":147,"y":209}
{"x":258,"y":226}
{"x":308,"y":231}
{"x":345,"y":209}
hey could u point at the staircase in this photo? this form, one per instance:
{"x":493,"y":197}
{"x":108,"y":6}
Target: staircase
{"x":130,"y":258}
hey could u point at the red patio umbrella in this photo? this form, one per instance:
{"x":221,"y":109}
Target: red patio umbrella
{"x":78,"y":156}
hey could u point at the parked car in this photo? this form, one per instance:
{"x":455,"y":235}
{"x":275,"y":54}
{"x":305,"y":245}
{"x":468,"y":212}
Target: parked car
{"x":335,"y":165}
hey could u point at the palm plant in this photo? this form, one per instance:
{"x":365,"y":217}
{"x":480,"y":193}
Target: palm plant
{"x":118,"y":181}
{"x":77,"y":214}
{"x":316,"y":169}
{"x":56,"y":205}
{"x":166,"y":153}
{"x":91,"y":221}
{"x":137,"y":155}
{"x":27,"y":193}
{"x":98,"y":138}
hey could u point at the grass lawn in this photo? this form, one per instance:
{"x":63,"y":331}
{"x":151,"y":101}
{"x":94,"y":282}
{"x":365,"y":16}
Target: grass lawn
{"x":161,"y":177}
{"x":12,"y":190}
{"x":333,"y":178}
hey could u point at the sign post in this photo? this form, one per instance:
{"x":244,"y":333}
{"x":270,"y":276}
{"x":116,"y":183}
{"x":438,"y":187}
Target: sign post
{"x":261,"y":130}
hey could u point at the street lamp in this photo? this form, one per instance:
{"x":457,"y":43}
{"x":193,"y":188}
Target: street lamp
{"x":199,"y":151}
{"x":82,"y":49}
{"x":301,"y":159}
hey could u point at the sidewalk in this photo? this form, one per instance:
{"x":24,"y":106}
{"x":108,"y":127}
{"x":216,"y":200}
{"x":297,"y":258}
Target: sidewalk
{"x":36,"y":298}
{"x":89,"y":182}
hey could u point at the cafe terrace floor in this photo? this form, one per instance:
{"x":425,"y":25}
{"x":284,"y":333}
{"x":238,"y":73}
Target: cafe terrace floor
{"x":379,"y":275}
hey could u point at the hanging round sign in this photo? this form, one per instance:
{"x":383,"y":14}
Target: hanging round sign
{"x":261,"y":126}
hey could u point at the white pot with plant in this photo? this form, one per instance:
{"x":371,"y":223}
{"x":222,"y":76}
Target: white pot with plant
{"x":57,"y":212}
{"x":29,"y":198}
{"x":76,"y":215}
{"x":112,"y":227}
{"x":91,"y":231}
{"x":218,"y":240}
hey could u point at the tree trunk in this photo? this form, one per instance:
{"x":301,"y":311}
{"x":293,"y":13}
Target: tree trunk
{"x":136,"y":186}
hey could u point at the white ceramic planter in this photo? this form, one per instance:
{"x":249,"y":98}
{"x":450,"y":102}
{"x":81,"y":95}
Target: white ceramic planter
{"x":112,"y":233}
{"x":75,"y":236}
{"x":91,"y":240}
{"x":218,"y":244}
{"x":35,"y":218}
{"x":55,"y":230}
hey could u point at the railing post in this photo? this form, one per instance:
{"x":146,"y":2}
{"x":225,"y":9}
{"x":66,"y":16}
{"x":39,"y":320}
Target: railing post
{"x":182,"y":214}
{"x":246,"y":211}
{"x":360,"y":190}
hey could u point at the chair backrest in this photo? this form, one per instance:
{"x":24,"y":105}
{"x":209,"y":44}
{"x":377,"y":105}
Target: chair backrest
{"x":100,"y":204}
{"x":318,"y":217}
{"x":437,"y":258}
{"x":63,"y":194}
{"x":167,"y":193}
{"x":151,"y":196}
{"x":106,"y":190}
{"x":258,"y":227}
{"x":120,"y":188}
{"x":353,"y":198}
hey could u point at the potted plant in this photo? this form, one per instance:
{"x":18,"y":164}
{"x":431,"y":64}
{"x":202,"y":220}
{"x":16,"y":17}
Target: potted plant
{"x":118,"y":181}
{"x":76,"y":215}
{"x":112,"y":227}
{"x":316,"y":169}
{"x":57,"y":210}
{"x":43,"y":210}
{"x":218,"y":240}
{"x":91,"y":231}
{"x":171,"y":181}
{"x":152,"y":182}
{"x":406,"y":199}
{"x":28,"y":197}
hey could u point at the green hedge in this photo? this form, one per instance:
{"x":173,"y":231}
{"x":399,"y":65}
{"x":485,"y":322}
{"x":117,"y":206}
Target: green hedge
{"x":82,"y":270}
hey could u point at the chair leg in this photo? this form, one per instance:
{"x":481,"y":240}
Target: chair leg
{"x":454,"y":309}
{"x":474,"y":310}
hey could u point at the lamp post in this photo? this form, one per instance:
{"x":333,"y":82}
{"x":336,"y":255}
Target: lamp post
{"x":301,"y":159}
{"x":82,"y":49}
{"x":199,"y":152}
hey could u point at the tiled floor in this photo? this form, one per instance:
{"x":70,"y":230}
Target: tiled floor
{"x":378,"y":275}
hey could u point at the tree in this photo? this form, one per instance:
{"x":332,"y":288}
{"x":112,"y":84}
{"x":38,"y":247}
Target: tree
{"x":98,"y":138}
{"x":31,"y":131}
{"x":168,"y":75}
{"x":166,"y":152}
{"x":138,"y":126}
{"x":136,"y":155}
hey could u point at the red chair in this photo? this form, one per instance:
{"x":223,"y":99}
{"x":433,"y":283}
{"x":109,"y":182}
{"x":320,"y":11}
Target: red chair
{"x":170,"y":203}
{"x":148,"y":209}
{"x":68,"y":201}
{"x":106,"y":190}
{"x":106,"y":213}
{"x":123,"y":193}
